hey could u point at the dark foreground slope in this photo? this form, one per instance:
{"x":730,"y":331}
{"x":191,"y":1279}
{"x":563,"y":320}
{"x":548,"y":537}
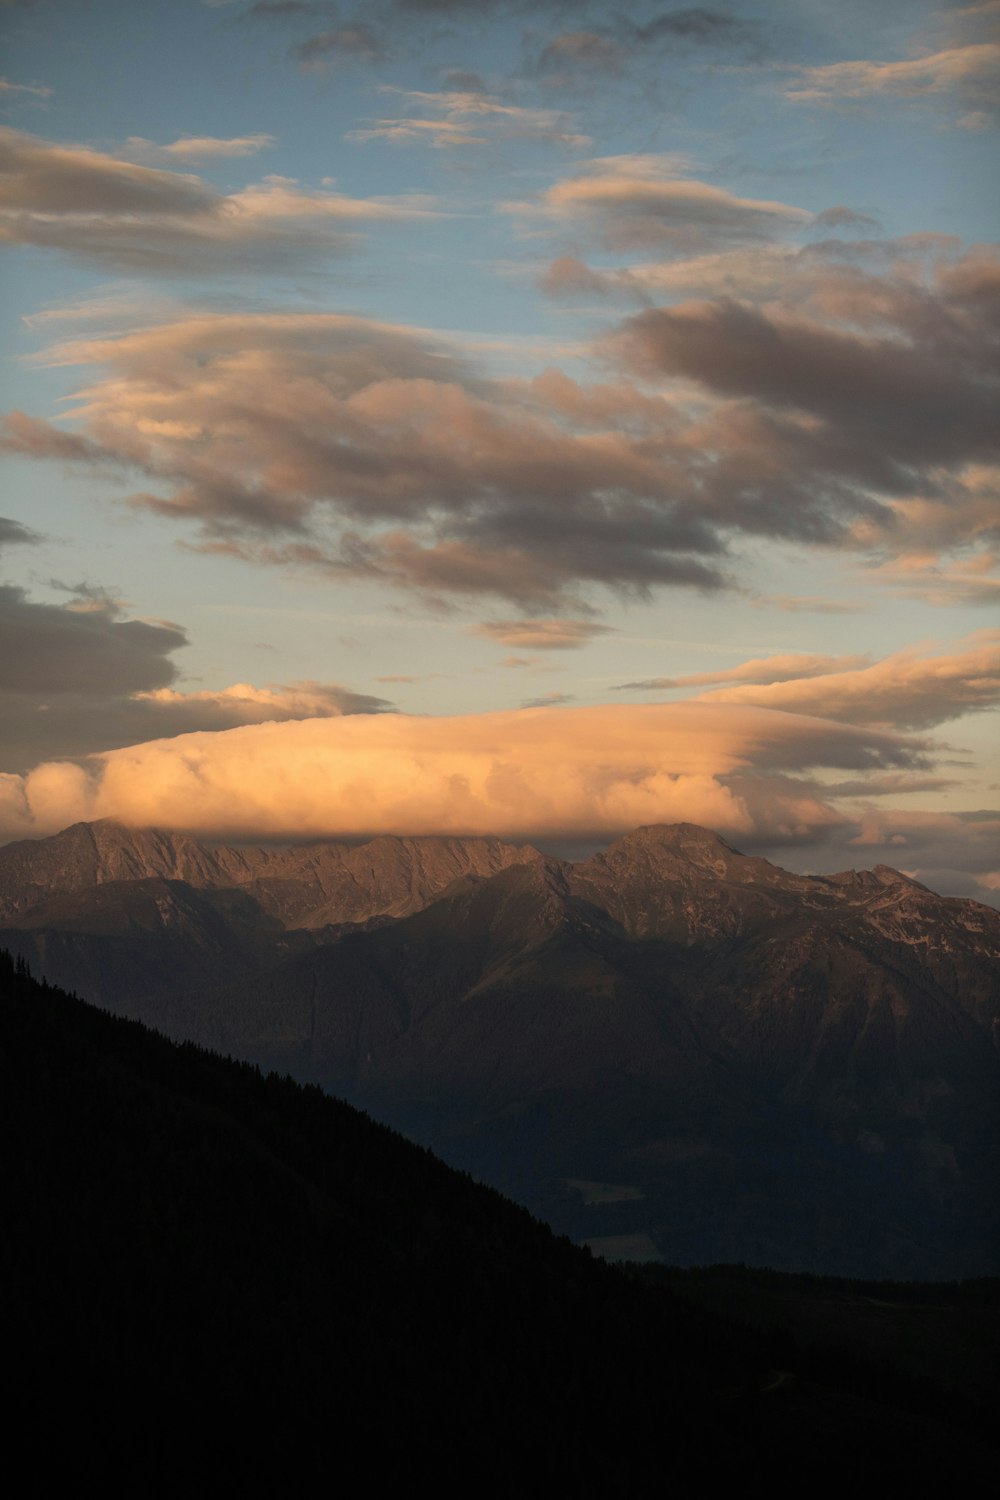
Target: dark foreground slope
{"x":219,"y":1277}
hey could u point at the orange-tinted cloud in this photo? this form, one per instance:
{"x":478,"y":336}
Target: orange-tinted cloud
{"x":531,"y":773}
{"x":763,"y":669}
{"x":466,"y":117}
{"x":906,"y":690}
{"x":968,"y":76}
{"x":542,"y":635}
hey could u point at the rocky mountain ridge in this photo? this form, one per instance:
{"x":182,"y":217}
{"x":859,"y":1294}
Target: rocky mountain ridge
{"x":302,"y":885}
{"x":334,"y":881}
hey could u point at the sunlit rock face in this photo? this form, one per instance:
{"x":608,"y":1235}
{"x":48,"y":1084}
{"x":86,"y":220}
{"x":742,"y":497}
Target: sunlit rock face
{"x":736,"y":1063}
{"x":303,"y":885}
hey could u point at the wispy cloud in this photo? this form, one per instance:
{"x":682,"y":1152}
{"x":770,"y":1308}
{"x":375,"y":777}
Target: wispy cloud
{"x":15,"y":534}
{"x":970,"y":74}
{"x":32,"y":90}
{"x":611,"y":45}
{"x":542,"y":635}
{"x":907,"y":690}
{"x":451,"y":118}
{"x":354,"y":43}
{"x":819,"y":604}
{"x":765,"y":669}
{"x":197,"y":148}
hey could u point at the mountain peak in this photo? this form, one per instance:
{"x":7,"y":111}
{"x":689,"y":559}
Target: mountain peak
{"x":688,"y":842}
{"x":676,"y":835}
{"x":889,"y":876}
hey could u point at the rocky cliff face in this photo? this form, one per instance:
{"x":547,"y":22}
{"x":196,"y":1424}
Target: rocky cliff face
{"x":304,"y":885}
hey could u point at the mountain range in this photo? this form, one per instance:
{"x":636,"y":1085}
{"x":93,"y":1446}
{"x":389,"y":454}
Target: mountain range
{"x":669,"y":1050}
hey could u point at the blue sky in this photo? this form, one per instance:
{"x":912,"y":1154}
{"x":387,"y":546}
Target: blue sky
{"x":503,"y":364}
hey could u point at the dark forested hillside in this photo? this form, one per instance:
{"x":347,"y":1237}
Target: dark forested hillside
{"x":215,"y":1273}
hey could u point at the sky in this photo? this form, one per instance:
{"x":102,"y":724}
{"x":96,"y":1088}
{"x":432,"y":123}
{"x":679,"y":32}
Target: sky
{"x":541,"y":419}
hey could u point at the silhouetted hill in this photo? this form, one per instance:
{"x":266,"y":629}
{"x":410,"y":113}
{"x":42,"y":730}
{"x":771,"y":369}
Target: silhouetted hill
{"x":213,"y":1277}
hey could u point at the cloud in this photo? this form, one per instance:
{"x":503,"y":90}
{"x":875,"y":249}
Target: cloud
{"x":13,"y":533}
{"x":912,"y":400}
{"x":354,"y":43}
{"x":765,"y":669}
{"x":548,"y":700}
{"x":966,"y":76}
{"x":542,"y":635}
{"x":877,"y":391}
{"x":617,"y":44}
{"x":971,"y":579}
{"x":364,"y":449}
{"x":698,"y":25}
{"x":952,"y":852}
{"x":467,"y":117}
{"x":549,"y":772}
{"x":809,"y":604}
{"x":193,"y":148}
{"x":859,"y":414}
{"x":284,"y":10}
{"x":637,"y":201}
{"x":34,"y":439}
{"x":568,"y":276}
{"x":892,"y":784}
{"x":169,"y":712}
{"x":842,"y":217}
{"x":753,"y":272}
{"x":35,"y":90}
{"x":133,"y":217}
{"x":80,"y":676}
{"x":580,"y":51}
{"x":82,"y":654}
{"x":830,"y":277}
{"x":84,"y":646}
{"x":905,"y":690}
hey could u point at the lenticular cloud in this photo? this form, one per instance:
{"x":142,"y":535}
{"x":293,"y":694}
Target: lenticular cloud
{"x":531,"y":773}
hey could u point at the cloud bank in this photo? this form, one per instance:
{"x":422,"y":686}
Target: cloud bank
{"x":548,"y":772}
